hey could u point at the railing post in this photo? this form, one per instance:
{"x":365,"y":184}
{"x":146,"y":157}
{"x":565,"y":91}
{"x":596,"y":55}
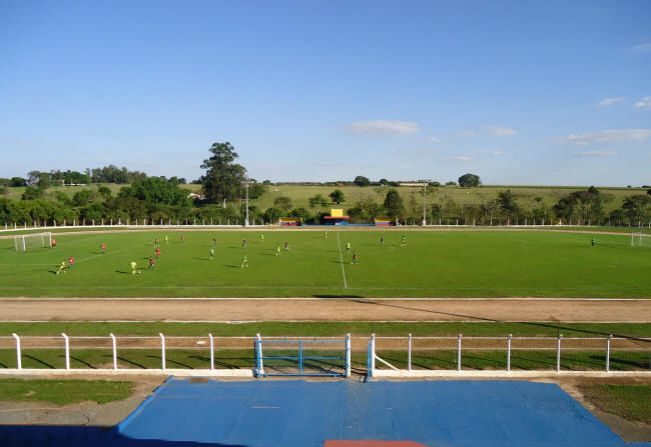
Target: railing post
{"x":372,"y":354}
{"x":162,"y":351}
{"x":258,"y":350}
{"x":348,"y":355}
{"x":212,"y":352}
{"x":19,"y":357}
{"x":508,"y":352}
{"x":608,"y":343}
{"x":66,"y":342}
{"x":558,"y":352}
{"x":459,"y":337}
{"x":409,"y":344}
{"x":114,"y":345}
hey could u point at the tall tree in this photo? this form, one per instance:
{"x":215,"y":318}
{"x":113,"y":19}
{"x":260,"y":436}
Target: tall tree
{"x":224,"y":178}
{"x":469,"y":181}
{"x":337,"y":196}
{"x":393,"y":204}
{"x":360,"y":180}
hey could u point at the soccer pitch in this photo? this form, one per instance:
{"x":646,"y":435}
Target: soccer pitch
{"x":432,"y":264}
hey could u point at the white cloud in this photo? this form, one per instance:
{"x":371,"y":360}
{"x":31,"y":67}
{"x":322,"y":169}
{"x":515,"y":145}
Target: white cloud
{"x":464,"y":158}
{"x":608,"y":136}
{"x":434,"y":140}
{"x":596,"y":154}
{"x":644,"y":103}
{"x":501,"y":131}
{"x":641,"y":48}
{"x":379,"y":127}
{"x":607,"y":102}
{"x":496,"y":152}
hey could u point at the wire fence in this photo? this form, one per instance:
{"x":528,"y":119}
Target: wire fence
{"x":313,"y":355}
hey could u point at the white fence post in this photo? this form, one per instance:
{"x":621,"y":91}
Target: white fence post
{"x":212,"y":352}
{"x":608,"y":342}
{"x":258,"y":347}
{"x":348,"y":355}
{"x":114,"y":344}
{"x":508,"y":352}
{"x":66,"y":342}
{"x":372,"y":355}
{"x":19,"y":357}
{"x":558,"y":352}
{"x":162,"y":350}
{"x":409,"y":343}
{"x":459,"y":352}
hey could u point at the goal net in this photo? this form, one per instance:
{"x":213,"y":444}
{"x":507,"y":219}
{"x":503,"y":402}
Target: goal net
{"x":640,"y":240}
{"x":24,"y":242}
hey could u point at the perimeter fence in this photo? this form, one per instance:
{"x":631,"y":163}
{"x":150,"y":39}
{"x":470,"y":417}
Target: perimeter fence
{"x":324,"y":356}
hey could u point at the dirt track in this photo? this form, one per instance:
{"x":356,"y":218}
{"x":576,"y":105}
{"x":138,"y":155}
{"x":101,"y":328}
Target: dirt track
{"x":311,"y":309}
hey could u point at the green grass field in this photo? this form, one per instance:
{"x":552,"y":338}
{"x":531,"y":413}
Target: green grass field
{"x":434,"y":263}
{"x":632,"y":402}
{"x":63,"y":392}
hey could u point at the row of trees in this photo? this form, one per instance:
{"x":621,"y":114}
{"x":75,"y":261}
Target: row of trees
{"x":225,"y":185}
{"x":107,"y":174}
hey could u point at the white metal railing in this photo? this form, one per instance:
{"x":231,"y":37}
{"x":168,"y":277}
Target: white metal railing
{"x":506,"y":343}
{"x":66,"y":344}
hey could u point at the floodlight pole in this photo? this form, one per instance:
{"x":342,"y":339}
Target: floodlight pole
{"x":424,"y":222}
{"x":246,"y":188}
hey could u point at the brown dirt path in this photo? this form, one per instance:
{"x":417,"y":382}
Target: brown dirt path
{"x":330,"y":309}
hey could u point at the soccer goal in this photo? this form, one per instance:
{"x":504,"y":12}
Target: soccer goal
{"x":24,"y":242}
{"x":640,"y":240}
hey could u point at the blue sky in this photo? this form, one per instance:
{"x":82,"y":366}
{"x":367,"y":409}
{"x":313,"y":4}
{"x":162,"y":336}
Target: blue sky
{"x":521,"y":92}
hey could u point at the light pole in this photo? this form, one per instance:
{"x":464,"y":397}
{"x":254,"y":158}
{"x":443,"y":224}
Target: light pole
{"x":424,"y":222}
{"x":246,"y":188}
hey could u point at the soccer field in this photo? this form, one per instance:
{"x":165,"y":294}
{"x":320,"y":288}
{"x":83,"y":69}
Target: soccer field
{"x":433,"y":264}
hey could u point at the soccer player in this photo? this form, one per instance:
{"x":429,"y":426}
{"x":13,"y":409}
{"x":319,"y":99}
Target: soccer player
{"x":157,"y":252}
{"x":181,"y":238}
{"x":354,"y":260}
{"x":167,"y":240}
{"x":243,"y":243}
{"x":245,"y":262}
{"x":381,"y":240}
{"x":593,"y":242}
{"x":103,"y":247}
{"x":54,"y":243}
{"x":278,"y":250}
{"x":152,"y":264}
{"x":71,"y":262}
{"x":155,"y":242}
{"x":212,"y":253}
{"x":403,"y":241}
{"x":134,"y":268}
{"x":213,"y":243}
{"x":325,"y":235}
{"x":62,"y":267}
{"x":286,"y":246}
{"x":261,"y":237}
{"x":348,"y":246}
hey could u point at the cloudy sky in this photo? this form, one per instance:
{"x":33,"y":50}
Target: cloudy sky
{"x":519,"y":92}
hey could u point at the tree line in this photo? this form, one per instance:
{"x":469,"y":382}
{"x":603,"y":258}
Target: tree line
{"x":226,"y":185}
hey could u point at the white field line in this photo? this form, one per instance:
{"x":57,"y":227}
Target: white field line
{"x":530,"y":299}
{"x":341,"y":262}
{"x":236,"y":322}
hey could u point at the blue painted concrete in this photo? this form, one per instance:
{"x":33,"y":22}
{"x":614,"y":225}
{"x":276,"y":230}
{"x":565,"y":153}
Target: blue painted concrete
{"x":306,"y":414}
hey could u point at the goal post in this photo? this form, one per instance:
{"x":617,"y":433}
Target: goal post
{"x":25,"y":242}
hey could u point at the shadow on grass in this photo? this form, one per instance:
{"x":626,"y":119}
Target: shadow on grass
{"x":37,"y":360}
{"x":366,"y":301}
